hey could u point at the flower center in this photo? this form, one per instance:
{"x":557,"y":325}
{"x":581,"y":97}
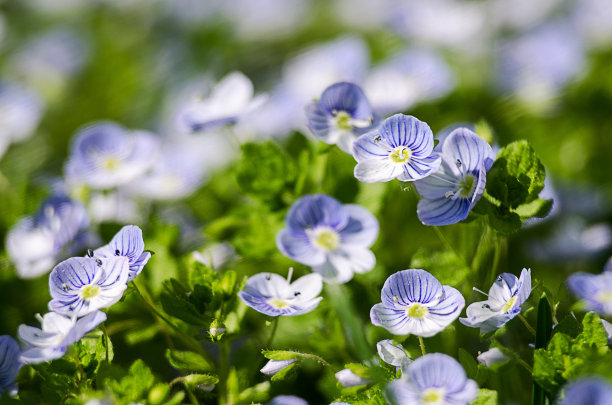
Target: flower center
{"x":416,"y":310}
{"x":343,"y":120}
{"x":509,"y":304}
{"x":325,"y":238}
{"x":432,"y":396}
{"x":110,"y":163}
{"x":467,"y":186}
{"x":278,"y":303}
{"x":604,"y":297}
{"x":401,"y":154}
{"x":89,"y":291}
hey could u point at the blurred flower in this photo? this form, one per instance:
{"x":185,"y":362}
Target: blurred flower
{"x":272,"y":295}
{"x":505,"y":298}
{"x":274,"y":366}
{"x":128,"y":243}
{"x":9,"y":363}
{"x":414,"y":302}
{"x":594,"y":289}
{"x":228,"y":101}
{"x":20,"y":113}
{"x":81,"y":285}
{"x":58,"y":332}
{"x":348,"y":379}
{"x":592,"y":20}
{"x":391,"y":353}
{"x":35,"y":244}
{"x":590,"y":390}
{"x":342,"y":114}
{"x":410,"y":77}
{"x":450,"y":193}
{"x":216,"y":255}
{"x":114,"y":206}
{"x":402,"y":148}
{"x":286,"y":400}
{"x":492,"y":356}
{"x":105,"y":155}
{"x":434,"y":378}
{"x":332,"y":238}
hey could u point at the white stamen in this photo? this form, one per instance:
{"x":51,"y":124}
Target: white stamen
{"x":480,"y":291}
{"x":289,"y":275}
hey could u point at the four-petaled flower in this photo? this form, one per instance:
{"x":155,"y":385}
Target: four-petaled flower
{"x":332,"y":238}
{"x":342,"y":114}
{"x":81,"y":285}
{"x":414,"y":302}
{"x":56,"y":334}
{"x":506,"y":296}
{"x":272,"y":295}
{"x":450,"y":193}
{"x":594,"y":289}
{"x":9,"y":363}
{"x":128,"y":243}
{"x":402,"y":148}
{"x":433,"y":379}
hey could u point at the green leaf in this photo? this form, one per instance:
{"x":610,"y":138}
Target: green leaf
{"x":202,"y":381}
{"x":158,"y":394}
{"x":543,"y":332}
{"x":281,"y":355}
{"x":135,"y":385}
{"x":281,"y":374}
{"x":522,"y":163}
{"x":485,"y":397}
{"x":175,"y":301}
{"x":187,"y":361}
{"x":92,"y":350}
{"x":538,"y":208}
{"x":256,"y":393}
{"x":469,"y":363}
{"x":593,"y":333}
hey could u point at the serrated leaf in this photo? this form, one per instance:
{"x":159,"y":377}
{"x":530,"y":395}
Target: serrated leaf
{"x":523,"y":164}
{"x":485,"y":397}
{"x":187,"y":361}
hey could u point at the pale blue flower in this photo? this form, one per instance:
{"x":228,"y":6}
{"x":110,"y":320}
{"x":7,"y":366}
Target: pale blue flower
{"x":35,"y":244}
{"x":450,"y":193}
{"x":414,"y":302}
{"x":594,"y":289}
{"x":434,"y":378}
{"x":128,"y":243}
{"x":274,"y":366}
{"x":348,"y":379}
{"x":391,"y":353}
{"x":104,"y":155}
{"x":81,"y":285}
{"x":273,"y":295}
{"x":332,"y":238}
{"x":505,"y":298}
{"x":593,"y":390}
{"x":340,"y":115}
{"x":492,"y":356}
{"x":56,"y":334}
{"x":402,"y":148}
{"x":9,"y":363}
{"x":286,"y":400}
{"x":20,"y":113}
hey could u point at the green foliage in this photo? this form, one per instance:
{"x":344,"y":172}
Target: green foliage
{"x":566,"y":358}
{"x":133,"y":387}
{"x":92,"y":350}
{"x":485,"y":397}
{"x":177,"y":301}
{"x":188,"y":361}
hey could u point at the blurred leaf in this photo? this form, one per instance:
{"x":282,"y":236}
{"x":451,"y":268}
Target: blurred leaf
{"x":485,"y":397}
{"x":187,"y":361}
{"x":201,"y":381}
{"x":538,"y":208}
{"x":134,"y":386}
{"x":175,"y":301}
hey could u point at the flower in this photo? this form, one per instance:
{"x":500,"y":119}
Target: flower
{"x":20,"y":112}
{"x":56,"y":334}
{"x":332,"y":238}
{"x":9,"y":363}
{"x":127,"y":243}
{"x":342,"y":114}
{"x":36,"y":243}
{"x":434,"y":378}
{"x":450,"y":193}
{"x":348,"y":379}
{"x":391,"y":353}
{"x":492,"y":356}
{"x":505,"y":298}
{"x":594,"y":289}
{"x":104,"y":155}
{"x":402,"y":148}
{"x":228,"y":101}
{"x":81,"y":285}
{"x":414,"y":302}
{"x":272,"y":295}
{"x":592,"y":390}
{"x":286,"y":400}
{"x":274,"y":366}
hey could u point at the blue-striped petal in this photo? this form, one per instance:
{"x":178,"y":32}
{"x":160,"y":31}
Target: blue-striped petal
{"x":9,"y":361}
{"x":408,"y":286}
{"x":296,"y":245}
{"x":315,"y":210}
{"x":471,"y":150}
{"x":362,"y":227}
{"x":376,"y":170}
{"x":443,"y":211}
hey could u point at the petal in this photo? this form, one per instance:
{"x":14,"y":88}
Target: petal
{"x":267,"y":285}
{"x":406,"y":130}
{"x":525,"y":287}
{"x":448,"y":309}
{"x":400,"y":391}
{"x":418,"y":168}
{"x":390,"y":353}
{"x":336,"y":269}
{"x":471,"y":150}
{"x":504,"y":287}
{"x":309,"y":286}
{"x":368,"y":146}
{"x":128,"y":242}
{"x":304,"y":307}
{"x":116,"y":269}
{"x":346,"y":97}
{"x":362,"y":227}
{"x":318,"y":121}
{"x":83,"y":326}
{"x":297,"y":246}
{"x":376,"y":170}
{"x":70,"y":275}
{"x":443,"y":211}
{"x":437,"y":370}
{"x":317,"y":209}
{"x":274,"y":366}
{"x":361,"y":259}
{"x":393,"y":320}
{"x":437,"y":184}
{"x":408,"y":286}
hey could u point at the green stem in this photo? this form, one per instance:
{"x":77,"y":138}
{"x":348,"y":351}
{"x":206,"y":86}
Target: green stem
{"x":525,"y":365}
{"x":103,"y":327}
{"x":445,"y":241}
{"x":318,"y":359}
{"x":273,"y":333}
{"x":224,"y":354}
{"x":529,"y":327}
{"x":422,"y":344}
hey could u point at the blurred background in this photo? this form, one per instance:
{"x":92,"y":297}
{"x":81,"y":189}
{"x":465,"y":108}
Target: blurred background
{"x":540,"y":71}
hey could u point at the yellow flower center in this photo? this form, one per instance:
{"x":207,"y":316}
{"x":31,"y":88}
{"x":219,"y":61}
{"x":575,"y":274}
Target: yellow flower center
{"x":343,"y":120}
{"x":416,"y":310}
{"x":432,"y":396}
{"x":89,"y":291}
{"x":604,"y":296}
{"x":326,"y":239}
{"x":401,"y":154}
{"x":467,"y":185}
{"x":110,"y":163}
{"x":278,"y":303}
{"x":509,"y":304}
